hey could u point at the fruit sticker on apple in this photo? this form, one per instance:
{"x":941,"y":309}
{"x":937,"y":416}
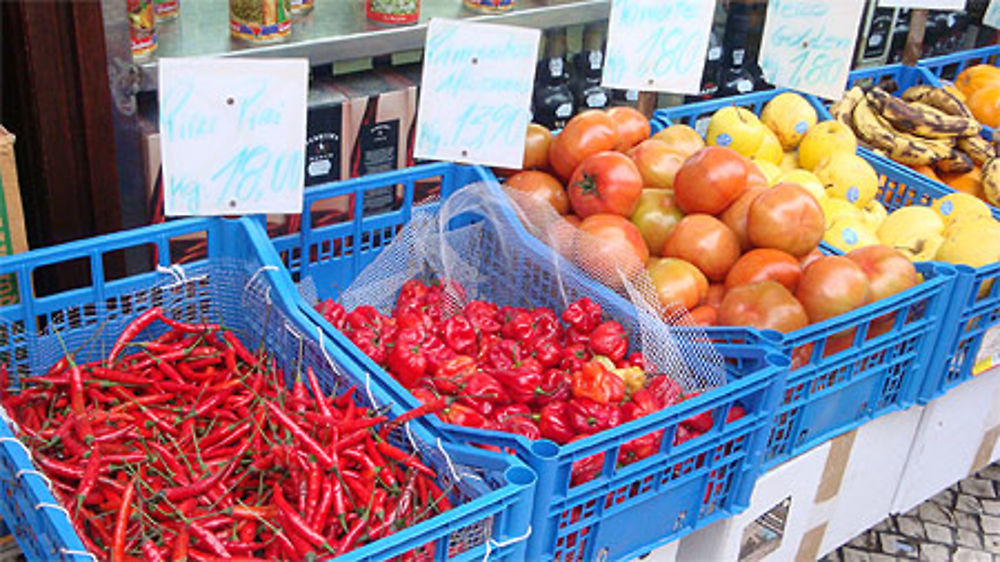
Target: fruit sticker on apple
{"x":808,"y":44}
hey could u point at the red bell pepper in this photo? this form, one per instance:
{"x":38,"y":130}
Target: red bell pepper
{"x":460,"y":336}
{"x":583,"y":315}
{"x":587,"y":416}
{"x":554,"y":424}
{"x":407,"y":360}
{"x":610,"y":340}
{"x":596,"y":383}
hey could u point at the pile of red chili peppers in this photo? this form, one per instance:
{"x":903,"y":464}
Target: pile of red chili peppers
{"x":190,"y":446}
{"x":522,"y":371}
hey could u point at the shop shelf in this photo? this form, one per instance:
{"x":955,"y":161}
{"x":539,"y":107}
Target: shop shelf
{"x":625,"y":511}
{"x":234,"y":285}
{"x":855,"y":367}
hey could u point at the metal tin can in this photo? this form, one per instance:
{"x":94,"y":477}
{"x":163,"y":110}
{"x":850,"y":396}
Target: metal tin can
{"x":301,"y":6}
{"x":398,"y":12}
{"x":260,"y":20}
{"x":489,"y":6}
{"x":167,"y":9}
{"x":142,"y":27}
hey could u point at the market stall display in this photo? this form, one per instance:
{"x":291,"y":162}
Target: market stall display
{"x":858,"y":363}
{"x":106,"y":337}
{"x":687,"y":484}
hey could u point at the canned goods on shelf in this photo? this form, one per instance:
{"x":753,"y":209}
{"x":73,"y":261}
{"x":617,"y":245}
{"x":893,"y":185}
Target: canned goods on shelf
{"x":489,"y":6}
{"x":142,"y":27}
{"x":398,"y":12}
{"x":260,"y":20}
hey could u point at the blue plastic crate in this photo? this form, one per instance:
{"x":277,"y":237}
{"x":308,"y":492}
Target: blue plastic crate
{"x":948,"y":67}
{"x":625,"y":511}
{"x":235,"y":285}
{"x":970,"y":313}
{"x":831,"y":390}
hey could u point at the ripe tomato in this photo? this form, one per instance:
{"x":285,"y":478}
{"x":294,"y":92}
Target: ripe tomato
{"x":632,"y":125}
{"x":704,"y":315}
{"x":755,"y":177}
{"x":786,"y":217}
{"x":765,"y":264}
{"x":606,"y":182}
{"x":706,"y":242}
{"x":711,"y":180}
{"x":607,"y":246}
{"x":536,"y":147}
{"x":682,"y":139}
{"x":716,"y":292}
{"x":832,"y":285}
{"x":677,"y":282}
{"x":766,"y":305}
{"x":542,"y":188}
{"x":657,"y":163}
{"x":889,"y":272}
{"x":735,"y":216}
{"x":811,"y":257}
{"x":656,"y":215}
{"x":586,"y":133}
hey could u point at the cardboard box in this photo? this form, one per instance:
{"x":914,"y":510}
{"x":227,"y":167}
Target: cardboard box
{"x":777,"y":518}
{"x":13,"y":234}
{"x":816,"y":501}
{"x":956,"y":437}
{"x":380,"y":110}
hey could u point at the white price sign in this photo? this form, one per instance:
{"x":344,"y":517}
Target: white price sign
{"x":475,"y":95}
{"x":992,"y":15}
{"x":657,"y":45}
{"x":808,"y":44}
{"x":925,"y":4}
{"x":233,"y":135}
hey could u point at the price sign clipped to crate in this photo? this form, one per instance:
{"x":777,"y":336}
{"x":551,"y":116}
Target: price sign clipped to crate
{"x":992,"y":15}
{"x":475,"y":95}
{"x":657,"y":45}
{"x":233,"y":135}
{"x":808,"y":44}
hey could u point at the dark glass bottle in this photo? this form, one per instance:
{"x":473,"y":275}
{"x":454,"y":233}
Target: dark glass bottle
{"x":553,"y":103}
{"x":740,"y":73}
{"x":713,"y":67}
{"x":588,"y":65}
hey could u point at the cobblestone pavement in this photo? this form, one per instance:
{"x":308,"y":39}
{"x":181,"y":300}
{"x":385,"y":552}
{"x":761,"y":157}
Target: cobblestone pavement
{"x":961,"y":524}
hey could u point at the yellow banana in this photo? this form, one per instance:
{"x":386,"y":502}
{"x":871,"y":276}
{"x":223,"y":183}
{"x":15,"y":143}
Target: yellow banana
{"x":955,"y":163}
{"x":920,"y":119}
{"x":939,"y":98}
{"x":842,"y":110}
{"x":875,"y":132}
{"x":978,"y":148}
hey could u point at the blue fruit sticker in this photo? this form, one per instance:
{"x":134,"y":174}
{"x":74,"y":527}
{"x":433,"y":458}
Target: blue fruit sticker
{"x":801,"y":127}
{"x":853,"y":194}
{"x":724,"y":139}
{"x":849,"y":236}
{"x":947,"y":207}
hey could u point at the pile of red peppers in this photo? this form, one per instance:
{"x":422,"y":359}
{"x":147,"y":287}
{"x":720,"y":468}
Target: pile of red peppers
{"x":191,"y":447}
{"x":536,"y":373}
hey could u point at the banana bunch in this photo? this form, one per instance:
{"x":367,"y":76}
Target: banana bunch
{"x":924,"y":126}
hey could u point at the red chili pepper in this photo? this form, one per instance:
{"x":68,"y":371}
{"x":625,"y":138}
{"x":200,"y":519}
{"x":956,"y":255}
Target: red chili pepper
{"x":300,"y":435}
{"x":408,"y":460}
{"x":150,"y":552}
{"x":296,"y":522}
{"x":137,"y":325}
{"x":76,"y":390}
{"x":121,"y":522}
{"x":90,"y":474}
{"x":189,"y":328}
{"x":209,"y":539}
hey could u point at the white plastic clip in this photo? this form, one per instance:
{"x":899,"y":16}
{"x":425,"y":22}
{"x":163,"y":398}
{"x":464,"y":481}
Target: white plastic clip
{"x":19,"y":444}
{"x":23,"y":471}
{"x":409,"y":436}
{"x":68,"y":552}
{"x":490,"y":543}
{"x":50,"y":505}
{"x":175,"y":270}
{"x":10,"y":421}
{"x":258,"y":272}
{"x":368,"y":390}
{"x":447,"y":459}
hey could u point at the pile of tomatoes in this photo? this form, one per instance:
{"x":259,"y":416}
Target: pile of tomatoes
{"x":525,"y":371}
{"x":715,"y":239}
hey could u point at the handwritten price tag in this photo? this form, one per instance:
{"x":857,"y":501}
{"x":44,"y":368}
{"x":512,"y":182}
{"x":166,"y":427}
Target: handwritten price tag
{"x":475,"y":95}
{"x":657,"y":45}
{"x":928,"y":4}
{"x":992,"y":15}
{"x":808,"y":44}
{"x":233,"y":135}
